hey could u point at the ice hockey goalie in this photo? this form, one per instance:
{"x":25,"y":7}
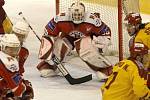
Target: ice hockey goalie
{"x":76,"y":29}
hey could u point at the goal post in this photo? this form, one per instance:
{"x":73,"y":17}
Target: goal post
{"x":120,"y":31}
{"x":112,"y":12}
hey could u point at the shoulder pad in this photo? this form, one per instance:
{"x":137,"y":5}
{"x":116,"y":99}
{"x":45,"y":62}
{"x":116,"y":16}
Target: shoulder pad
{"x":62,"y":17}
{"x":93,"y":18}
{"x":9,"y":62}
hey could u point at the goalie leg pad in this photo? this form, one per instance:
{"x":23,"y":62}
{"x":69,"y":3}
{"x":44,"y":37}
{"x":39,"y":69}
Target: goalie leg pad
{"x":90,"y":54}
{"x":50,"y":45}
{"x":47,"y":73}
{"x":107,"y":70}
{"x":46,"y":69}
{"x":61,"y":48}
{"x":46,"y":47}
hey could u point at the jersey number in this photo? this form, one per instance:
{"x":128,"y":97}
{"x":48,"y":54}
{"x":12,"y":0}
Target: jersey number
{"x":113,"y":79}
{"x":114,"y":74}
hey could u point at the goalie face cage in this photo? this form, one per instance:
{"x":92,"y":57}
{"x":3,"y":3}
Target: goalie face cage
{"x":112,"y":12}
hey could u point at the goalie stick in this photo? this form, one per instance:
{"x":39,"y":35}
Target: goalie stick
{"x":59,"y":64}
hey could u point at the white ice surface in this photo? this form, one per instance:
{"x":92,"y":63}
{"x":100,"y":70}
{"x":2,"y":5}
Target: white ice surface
{"x":38,"y":13}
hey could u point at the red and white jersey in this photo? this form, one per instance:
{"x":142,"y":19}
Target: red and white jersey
{"x":10,"y":75}
{"x":92,"y":25}
{"x":23,"y":55}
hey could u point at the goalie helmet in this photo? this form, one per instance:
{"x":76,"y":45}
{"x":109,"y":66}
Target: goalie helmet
{"x":10,"y":44}
{"x":133,"y":22}
{"x":21,"y":29}
{"x":77,"y":12}
{"x":138,"y":50}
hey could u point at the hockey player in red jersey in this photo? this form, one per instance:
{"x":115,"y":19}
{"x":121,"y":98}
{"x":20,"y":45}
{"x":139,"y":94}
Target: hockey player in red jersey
{"x":5,"y":23}
{"x":12,"y":84}
{"x":21,"y":29}
{"x":79,"y":30}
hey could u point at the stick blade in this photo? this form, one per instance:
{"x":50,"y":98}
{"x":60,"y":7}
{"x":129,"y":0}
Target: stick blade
{"x":73,"y":81}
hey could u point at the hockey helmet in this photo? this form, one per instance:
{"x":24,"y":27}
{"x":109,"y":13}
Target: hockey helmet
{"x":133,"y":22}
{"x":133,"y":18}
{"x":10,"y":44}
{"x":77,"y":12}
{"x":21,"y":29}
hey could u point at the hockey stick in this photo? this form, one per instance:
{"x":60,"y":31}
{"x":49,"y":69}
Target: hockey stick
{"x":60,"y":66}
{"x":20,"y":13}
{"x":66,"y":74}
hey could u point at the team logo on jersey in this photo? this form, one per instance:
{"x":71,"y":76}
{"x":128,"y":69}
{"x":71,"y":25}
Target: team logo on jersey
{"x":88,"y":29}
{"x":16,"y":78}
{"x":76,"y":34}
{"x":105,"y":30}
{"x":51,"y":25}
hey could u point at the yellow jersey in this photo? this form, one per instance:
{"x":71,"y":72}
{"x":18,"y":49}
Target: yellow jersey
{"x":125,"y":83}
{"x":143,"y":36}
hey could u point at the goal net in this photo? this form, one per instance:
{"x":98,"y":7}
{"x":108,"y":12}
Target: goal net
{"x":112,"y":12}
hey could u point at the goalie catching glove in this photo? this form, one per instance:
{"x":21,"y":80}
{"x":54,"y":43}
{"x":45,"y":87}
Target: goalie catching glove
{"x":101,"y":42}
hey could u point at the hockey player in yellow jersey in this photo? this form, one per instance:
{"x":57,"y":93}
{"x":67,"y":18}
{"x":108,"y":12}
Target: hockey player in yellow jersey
{"x":127,"y":82}
{"x":140,"y":33}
